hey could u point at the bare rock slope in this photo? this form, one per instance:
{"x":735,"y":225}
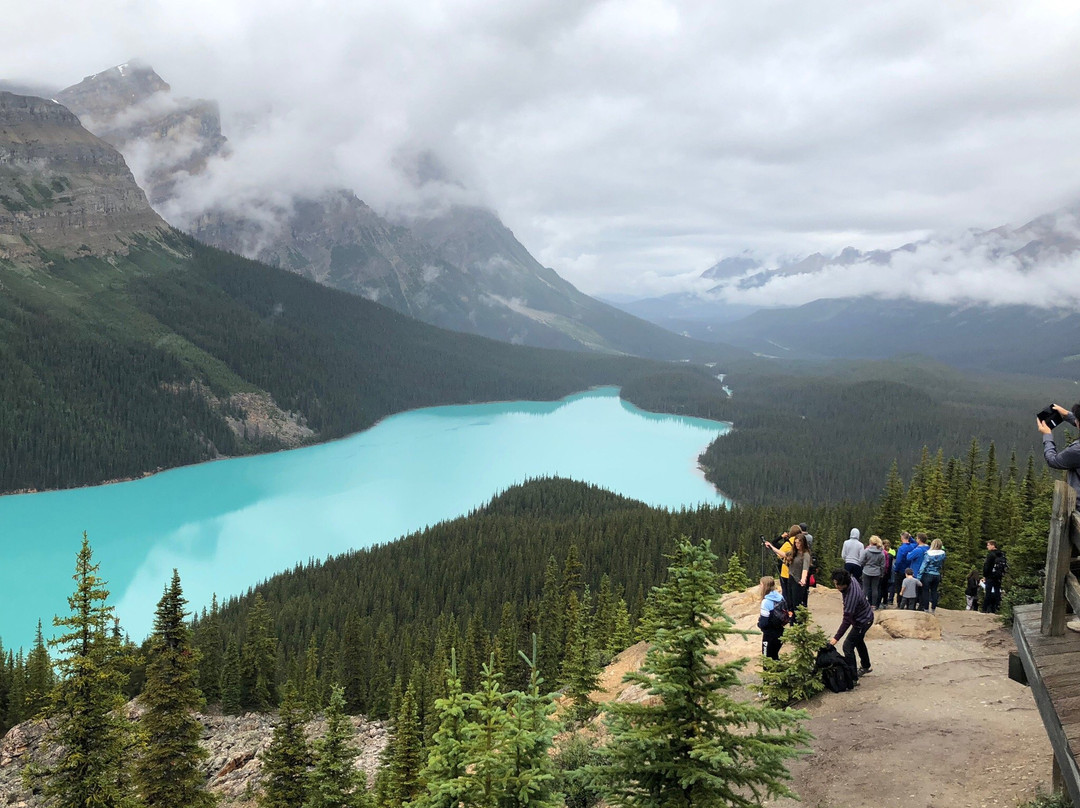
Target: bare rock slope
{"x":233,"y":769}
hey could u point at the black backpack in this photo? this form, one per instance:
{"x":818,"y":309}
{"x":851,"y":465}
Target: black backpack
{"x":778,"y":617}
{"x":1001,"y":566}
{"x":836,"y":674}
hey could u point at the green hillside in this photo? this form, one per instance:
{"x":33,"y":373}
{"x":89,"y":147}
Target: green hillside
{"x":113,"y":367}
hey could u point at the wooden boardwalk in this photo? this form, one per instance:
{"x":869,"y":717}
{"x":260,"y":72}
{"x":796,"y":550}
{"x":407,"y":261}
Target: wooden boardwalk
{"x":1052,"y":667}
{"x":1049,"y":652}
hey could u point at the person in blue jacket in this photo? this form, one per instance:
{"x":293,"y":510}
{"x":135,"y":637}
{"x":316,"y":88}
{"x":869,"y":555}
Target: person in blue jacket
{"x":770,"y":631}
{"x":930,"y":574}
{"x":915,"y":556}
{"x":900,"y":565}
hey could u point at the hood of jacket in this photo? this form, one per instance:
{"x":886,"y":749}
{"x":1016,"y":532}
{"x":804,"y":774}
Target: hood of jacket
{"x":769,"y":602}
{"x":855,"y":534}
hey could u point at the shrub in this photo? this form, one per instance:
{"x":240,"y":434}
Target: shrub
{"x":793,"y":677}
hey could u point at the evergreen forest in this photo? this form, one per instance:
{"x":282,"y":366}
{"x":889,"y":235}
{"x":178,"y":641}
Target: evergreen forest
{"x":565,"y":561}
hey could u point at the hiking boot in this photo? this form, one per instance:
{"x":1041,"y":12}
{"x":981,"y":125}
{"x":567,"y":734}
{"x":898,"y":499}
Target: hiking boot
{"x":864,"y":671}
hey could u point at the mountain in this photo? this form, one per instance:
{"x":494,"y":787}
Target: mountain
{"x":982,"y":330}
{"x":61,"y":188}
{"x":462,"y":269}
{"x":132,"y":108}
{"x":1010,"y":339}
{"x":126,"y":347}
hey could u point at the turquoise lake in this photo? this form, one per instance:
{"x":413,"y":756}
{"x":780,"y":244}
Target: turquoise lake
{"x":229,"y":524}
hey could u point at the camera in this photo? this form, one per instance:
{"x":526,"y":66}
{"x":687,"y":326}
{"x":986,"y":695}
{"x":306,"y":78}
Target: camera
{"x":1050,"y":417}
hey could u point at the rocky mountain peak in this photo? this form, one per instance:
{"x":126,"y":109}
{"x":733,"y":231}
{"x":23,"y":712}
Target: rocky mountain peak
{"x":62,"y":188}
{"x":113,"y":91}
{"x":133,"y":108}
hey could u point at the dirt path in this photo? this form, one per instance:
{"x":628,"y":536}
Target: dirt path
{"x":938,"y":722}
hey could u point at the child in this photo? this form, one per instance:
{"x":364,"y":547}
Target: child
{"x":909,"y":589}
{"x":770,"y":630}
{"x":972,"y":591}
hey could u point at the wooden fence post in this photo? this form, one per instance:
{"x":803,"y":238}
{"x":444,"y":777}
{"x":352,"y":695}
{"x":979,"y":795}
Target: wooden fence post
{"x":1058,"y":554}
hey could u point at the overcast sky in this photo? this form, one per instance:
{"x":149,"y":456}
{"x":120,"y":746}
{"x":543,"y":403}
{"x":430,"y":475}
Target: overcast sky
{"x":628,"y":144}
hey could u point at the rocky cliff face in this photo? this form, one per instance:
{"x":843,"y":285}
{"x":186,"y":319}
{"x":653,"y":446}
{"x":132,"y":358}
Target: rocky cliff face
{"x":61,"y":188}
{"x":132,"y":108}
{"x":233,"y":769}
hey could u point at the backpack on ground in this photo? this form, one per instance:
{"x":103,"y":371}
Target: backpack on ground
{"x":836,"y":674}
{"x":1001,"y":566}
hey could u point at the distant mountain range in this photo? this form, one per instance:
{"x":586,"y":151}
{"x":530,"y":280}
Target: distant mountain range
{"x":1018,"y":338}
{"x":462,"y":269}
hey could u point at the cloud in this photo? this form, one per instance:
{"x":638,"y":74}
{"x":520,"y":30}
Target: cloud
{"x":1035,"y":265}
{"x":629,"y":143}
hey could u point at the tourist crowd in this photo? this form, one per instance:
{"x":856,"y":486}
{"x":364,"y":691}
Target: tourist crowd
{"x":874,"y":576}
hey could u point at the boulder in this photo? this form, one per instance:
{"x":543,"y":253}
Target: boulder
{"x":907,"y":624}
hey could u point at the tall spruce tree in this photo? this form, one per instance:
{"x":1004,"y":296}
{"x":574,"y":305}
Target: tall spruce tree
{"x":286,"y":759}
{"x":484,"y":740}
{"x":168,"y":772}
{"x":405,"y":753}
{"x":232,"y":702}
{"x":335,"y":782}
{"x":444,"y":776}
{"x":40,"y":677}
{"x":529,"y":777}
{"x":694,"y":746}
{"x":259,"y":658}
{"x":94,"y":738}
{"x":211,"y":653}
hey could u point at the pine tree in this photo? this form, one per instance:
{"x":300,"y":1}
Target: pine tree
{"x":696,"y":745}
{"x":888,"y":523}
{"x":94,"y":738}
{"x":168,"y":772}
{"x":211,"y":653}
{"x":231,"y":681}
{"x":335,"y":782}
{"x":444,"y":775}
{"x":529,"y":778}
{"x":40,"y":678}
{"x":735,"y":579}
{"x":285,"y":761}
{"x":354,"y":668}
{"x":579,"y":677}
{"x":793,"y":677}
{"x":405,"y":753}
{"x":550,"y":619}
{"x":259,"y":658}
{"x":484,"y":740}
{"x":310,"y":691}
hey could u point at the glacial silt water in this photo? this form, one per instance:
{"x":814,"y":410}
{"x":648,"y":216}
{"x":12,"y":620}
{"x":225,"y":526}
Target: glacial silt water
{"x":229,"y":524}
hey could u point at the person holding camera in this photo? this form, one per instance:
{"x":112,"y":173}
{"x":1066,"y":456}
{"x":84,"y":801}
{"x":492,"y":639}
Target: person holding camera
{"x":1068,"y":459}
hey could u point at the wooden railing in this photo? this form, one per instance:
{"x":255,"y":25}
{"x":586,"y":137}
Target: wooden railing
{"x":1063,"y":545}
{"x":1049,"y":660}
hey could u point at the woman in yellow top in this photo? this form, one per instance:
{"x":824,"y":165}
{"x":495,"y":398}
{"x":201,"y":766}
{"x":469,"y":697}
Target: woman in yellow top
{"x":785,"y":553}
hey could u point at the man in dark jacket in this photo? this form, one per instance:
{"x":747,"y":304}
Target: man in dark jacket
{"x":858,"y":616}
{"x":992,"y":575}
{"x":1068,"y":459}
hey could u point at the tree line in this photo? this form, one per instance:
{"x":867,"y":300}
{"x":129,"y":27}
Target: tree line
{"x":491,"y":746}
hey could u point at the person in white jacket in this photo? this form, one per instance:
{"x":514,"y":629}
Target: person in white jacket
{"x":851,"y":553}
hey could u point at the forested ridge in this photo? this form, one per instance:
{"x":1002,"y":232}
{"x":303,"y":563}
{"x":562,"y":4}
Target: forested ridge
{"x":114,"y":368}
{"x":829,"y":432}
